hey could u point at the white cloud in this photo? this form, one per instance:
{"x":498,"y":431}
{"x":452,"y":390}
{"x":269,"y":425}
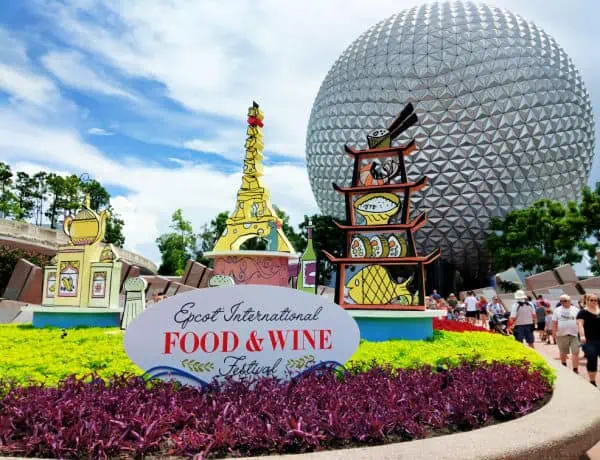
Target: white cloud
{"x":27,"y":86}
{"x":99,"y":132}
{"x":216,"y":58}
{"x":180,"y":161}
{"x":228,"y":143}
{"x":70,"y":69}
{"x":201,"y":191}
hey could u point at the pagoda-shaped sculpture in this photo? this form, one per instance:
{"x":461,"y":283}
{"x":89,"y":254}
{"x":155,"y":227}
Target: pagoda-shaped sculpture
{"x":253,"y":217}
{"x":381,"y":269}
{"x":81,"y":286}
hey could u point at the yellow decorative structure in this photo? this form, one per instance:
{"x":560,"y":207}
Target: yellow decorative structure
{"x":254,"y":216}
{"x":84,"y":277}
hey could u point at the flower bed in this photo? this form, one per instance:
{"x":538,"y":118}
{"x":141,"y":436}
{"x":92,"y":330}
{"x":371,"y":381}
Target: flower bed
{"x":49,"y":355}
{"x":455,"y":326}
{"x":319,"y":411}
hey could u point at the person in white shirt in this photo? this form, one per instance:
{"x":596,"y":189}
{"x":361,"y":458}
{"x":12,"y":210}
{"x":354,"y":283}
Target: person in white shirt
{"x":523,"y":317}
{"x":471,"y":307}
{"x":564,"y":331}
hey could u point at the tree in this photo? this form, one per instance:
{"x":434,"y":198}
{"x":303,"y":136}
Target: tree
{"x":296,"y":239}
{"x":99,"y":197}
{"x":8,"y":200}
{"x":114,"y":229}
{"x":209,"y":235}
{"x":71,"y":202}
{"x":590,"y":210}
{"x":25,"y":191}
{"x":326,"y":235}
{"x":178,"y":246}
{"x":56,"y":188}
{"x":41,"y":190}
{"x":537,"y":238}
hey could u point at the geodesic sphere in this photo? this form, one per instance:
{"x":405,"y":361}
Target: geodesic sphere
{"x":504,"y":118}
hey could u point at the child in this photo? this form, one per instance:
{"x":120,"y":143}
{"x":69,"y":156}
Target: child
{"x":548,"y":326}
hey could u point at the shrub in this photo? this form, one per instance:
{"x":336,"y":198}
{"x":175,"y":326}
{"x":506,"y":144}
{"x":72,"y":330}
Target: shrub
{"x":130,"y":417}
{"x":50,"y":355}
{"x":450,"y":349}
{"x":455,"y":326}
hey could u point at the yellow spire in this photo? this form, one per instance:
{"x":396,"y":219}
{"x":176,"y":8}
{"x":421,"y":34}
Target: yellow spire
{"x":254,"y":215}
{"x":87,"y":202}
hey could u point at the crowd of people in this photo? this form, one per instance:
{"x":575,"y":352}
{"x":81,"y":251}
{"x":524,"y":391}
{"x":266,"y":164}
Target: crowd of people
{"x":572,"y":326}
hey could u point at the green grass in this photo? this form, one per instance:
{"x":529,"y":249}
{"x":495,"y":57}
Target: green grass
{"x":44,"y":356}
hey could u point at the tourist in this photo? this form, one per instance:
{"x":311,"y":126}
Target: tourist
{"x":496,"y":307}
{"x":548,"y":326}
{"x":471,"y":307}
{"x":428,"y":303}
{"x":564,"y":331}
{"x":482,"y":308}
{"x":588,"y":323}
{"x":522,"y":317}
{"x":452,"y":301}
{"x":496,"y":312}
{"x":435,"y":296}
{"x":540,"y":313}
{"x":443,"y":305}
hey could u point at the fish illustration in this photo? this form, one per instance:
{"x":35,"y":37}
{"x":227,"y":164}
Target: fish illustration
{"x":373,"y":285}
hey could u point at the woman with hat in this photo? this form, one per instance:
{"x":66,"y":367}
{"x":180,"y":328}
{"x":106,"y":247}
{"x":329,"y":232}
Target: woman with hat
{"x":523,"y":317}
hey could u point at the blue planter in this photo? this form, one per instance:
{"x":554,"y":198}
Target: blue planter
{"x":70,"y":317}
{"x":380,"y":326}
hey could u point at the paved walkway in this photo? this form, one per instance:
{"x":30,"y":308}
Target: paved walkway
{"x":551,"y":351}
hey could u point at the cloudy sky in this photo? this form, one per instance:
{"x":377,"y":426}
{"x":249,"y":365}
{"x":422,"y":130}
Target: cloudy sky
{"x":150,"y":96}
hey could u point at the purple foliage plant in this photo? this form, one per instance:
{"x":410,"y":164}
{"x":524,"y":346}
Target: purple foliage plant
{"x":128,"y":416}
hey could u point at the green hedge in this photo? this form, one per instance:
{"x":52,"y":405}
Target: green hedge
{"x":49,"y":355}
{"x":450,"y":349}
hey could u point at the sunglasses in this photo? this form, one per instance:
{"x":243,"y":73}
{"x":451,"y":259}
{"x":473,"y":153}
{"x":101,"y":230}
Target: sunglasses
{"x":593,"y":300}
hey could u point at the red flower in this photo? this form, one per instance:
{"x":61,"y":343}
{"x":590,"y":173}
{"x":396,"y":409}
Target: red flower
{"x":455,"y":326}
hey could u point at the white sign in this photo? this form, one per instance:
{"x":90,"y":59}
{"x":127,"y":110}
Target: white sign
{"x":240,"y":332}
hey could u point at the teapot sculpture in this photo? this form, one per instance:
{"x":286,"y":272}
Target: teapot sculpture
{"x":87,"y":226}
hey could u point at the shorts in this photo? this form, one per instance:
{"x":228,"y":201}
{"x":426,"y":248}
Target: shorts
{"x":472,"y":314}
{"x":541,"y":326}
{"x":524,"y":332}
{"x":568,"y":343}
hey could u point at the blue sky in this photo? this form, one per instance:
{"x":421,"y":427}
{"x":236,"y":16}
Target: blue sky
{"x":150,"y":96}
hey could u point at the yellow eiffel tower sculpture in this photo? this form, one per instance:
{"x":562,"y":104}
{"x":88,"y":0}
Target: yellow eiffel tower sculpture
{"x":254,"y":216}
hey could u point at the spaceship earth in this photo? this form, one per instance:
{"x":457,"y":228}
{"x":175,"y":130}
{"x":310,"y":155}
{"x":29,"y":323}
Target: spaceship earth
{"x":504,"y":118}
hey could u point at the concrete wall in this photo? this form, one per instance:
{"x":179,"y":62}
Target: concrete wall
{"x":46,"y":240}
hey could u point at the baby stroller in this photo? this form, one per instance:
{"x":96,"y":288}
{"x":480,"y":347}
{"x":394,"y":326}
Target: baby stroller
{"x":499,"y":323}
